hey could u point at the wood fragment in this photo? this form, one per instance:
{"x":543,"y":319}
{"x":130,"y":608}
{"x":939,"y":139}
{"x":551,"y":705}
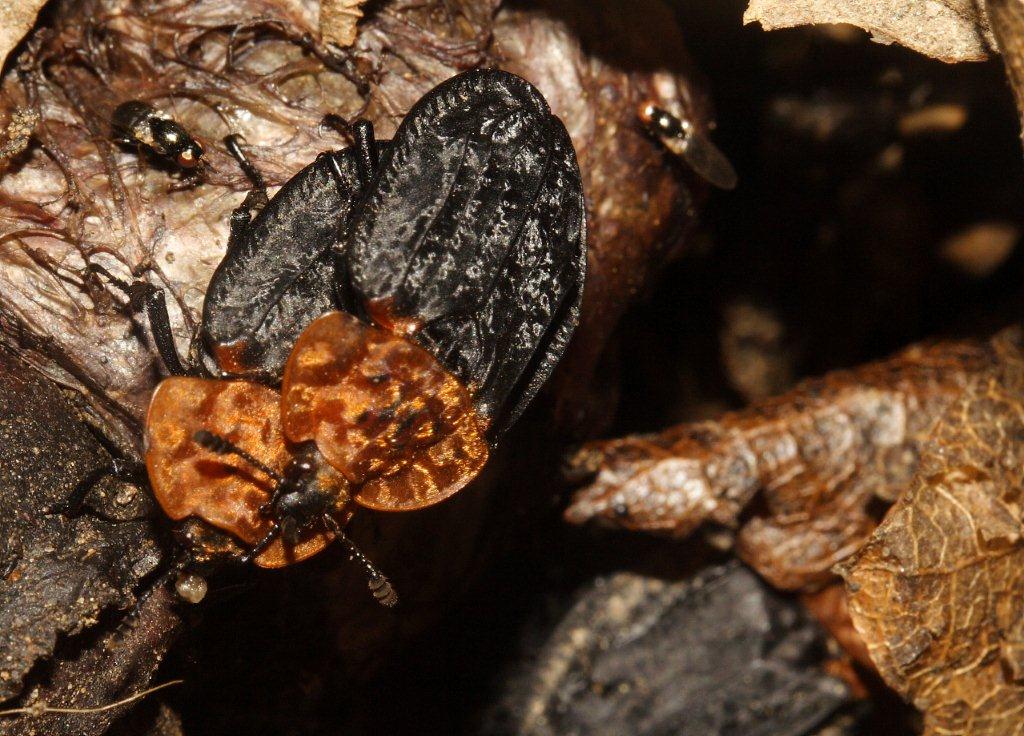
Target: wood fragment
{"x":819,"y":459}
{"x":948,"y":30}
{"x":339,"y":20}
{"x":1007,"y":17}
{"x":16,"y":19}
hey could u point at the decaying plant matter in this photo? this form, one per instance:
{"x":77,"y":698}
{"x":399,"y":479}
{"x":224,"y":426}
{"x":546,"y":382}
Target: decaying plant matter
{"x":937,"y":592}
{"x":339,"y":21}
{"x":950,"y":31}
{"x":636,"y":654}
{"x":802,"y":476}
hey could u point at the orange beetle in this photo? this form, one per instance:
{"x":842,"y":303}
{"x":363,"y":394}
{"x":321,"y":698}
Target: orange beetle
{"x":363,"y":417}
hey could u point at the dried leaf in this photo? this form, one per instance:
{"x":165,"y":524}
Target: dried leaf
{"x":338,"y":21}
{"x":949,"y":30}
{"x":830,"y":606}
{"x":821,"y":456}
{"x":1007,"y":17}
{"x":16,"y":19}
{"x":938,"y":591}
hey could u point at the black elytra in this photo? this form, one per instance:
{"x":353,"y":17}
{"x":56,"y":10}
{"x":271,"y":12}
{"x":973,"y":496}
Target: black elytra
{"x":470,"y":227}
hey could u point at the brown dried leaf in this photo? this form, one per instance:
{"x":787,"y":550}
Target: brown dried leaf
{"x":938,"y":591}
{"x":831,"y":607}
{"x":16,"y":19}
{"x":338,"y":21}
{"x":821,"y":457}
{"x":949,"y":30}
{"x":1007,"y":18}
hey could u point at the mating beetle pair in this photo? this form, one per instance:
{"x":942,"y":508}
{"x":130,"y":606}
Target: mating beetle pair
{"x":412,"y":295}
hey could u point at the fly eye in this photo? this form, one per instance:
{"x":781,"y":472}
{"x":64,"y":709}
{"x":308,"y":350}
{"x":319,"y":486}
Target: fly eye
{"x":189,"y":158}
{"x":647,"y":112}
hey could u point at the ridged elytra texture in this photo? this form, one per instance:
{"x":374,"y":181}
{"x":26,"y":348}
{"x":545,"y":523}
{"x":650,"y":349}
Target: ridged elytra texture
{"x":473,"y":227}
{"x":279,"y":276}
{"x":472,"y":230}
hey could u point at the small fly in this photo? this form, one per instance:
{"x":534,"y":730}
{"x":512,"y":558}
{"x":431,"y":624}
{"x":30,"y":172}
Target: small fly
{"x":689,"y":144}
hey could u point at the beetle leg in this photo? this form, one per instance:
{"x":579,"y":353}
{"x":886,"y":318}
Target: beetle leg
{"x":274,"y":533}
{"x":126,"y":470}
{"x":256,"y":198}
{"x":145,"y":296}
{"x":181,"y":560}
{"x":367,"y":156}
{"x":363,"y":142}
{"x":153,"y":300}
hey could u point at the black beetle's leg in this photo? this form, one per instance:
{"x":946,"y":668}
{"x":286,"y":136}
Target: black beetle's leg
{"x":337,"y":60}
{"x":258,"y":193}
{"x":254,"y":200}
{"x":381,"y":588}
{"x":144,"y":296}
{"x":367,"y":155}
{"x":155,"y":304}
{"x":274,"y":533}
{"x":126,"y":470}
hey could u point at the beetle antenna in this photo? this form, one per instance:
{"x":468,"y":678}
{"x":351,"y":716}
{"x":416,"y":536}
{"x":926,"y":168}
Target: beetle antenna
{"x":379,"y":585}
{"x":257,"y":549}
{"x":223,"y":446}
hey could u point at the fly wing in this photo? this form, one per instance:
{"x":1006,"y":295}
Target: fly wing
{"x":472,"y":237}
{"x":705,"y":158}
{"x":279,"y":277}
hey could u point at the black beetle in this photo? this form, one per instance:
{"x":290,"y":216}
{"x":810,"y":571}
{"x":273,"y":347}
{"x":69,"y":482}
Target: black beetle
{"x":470,"y":227}
{"x":464,"y":236}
